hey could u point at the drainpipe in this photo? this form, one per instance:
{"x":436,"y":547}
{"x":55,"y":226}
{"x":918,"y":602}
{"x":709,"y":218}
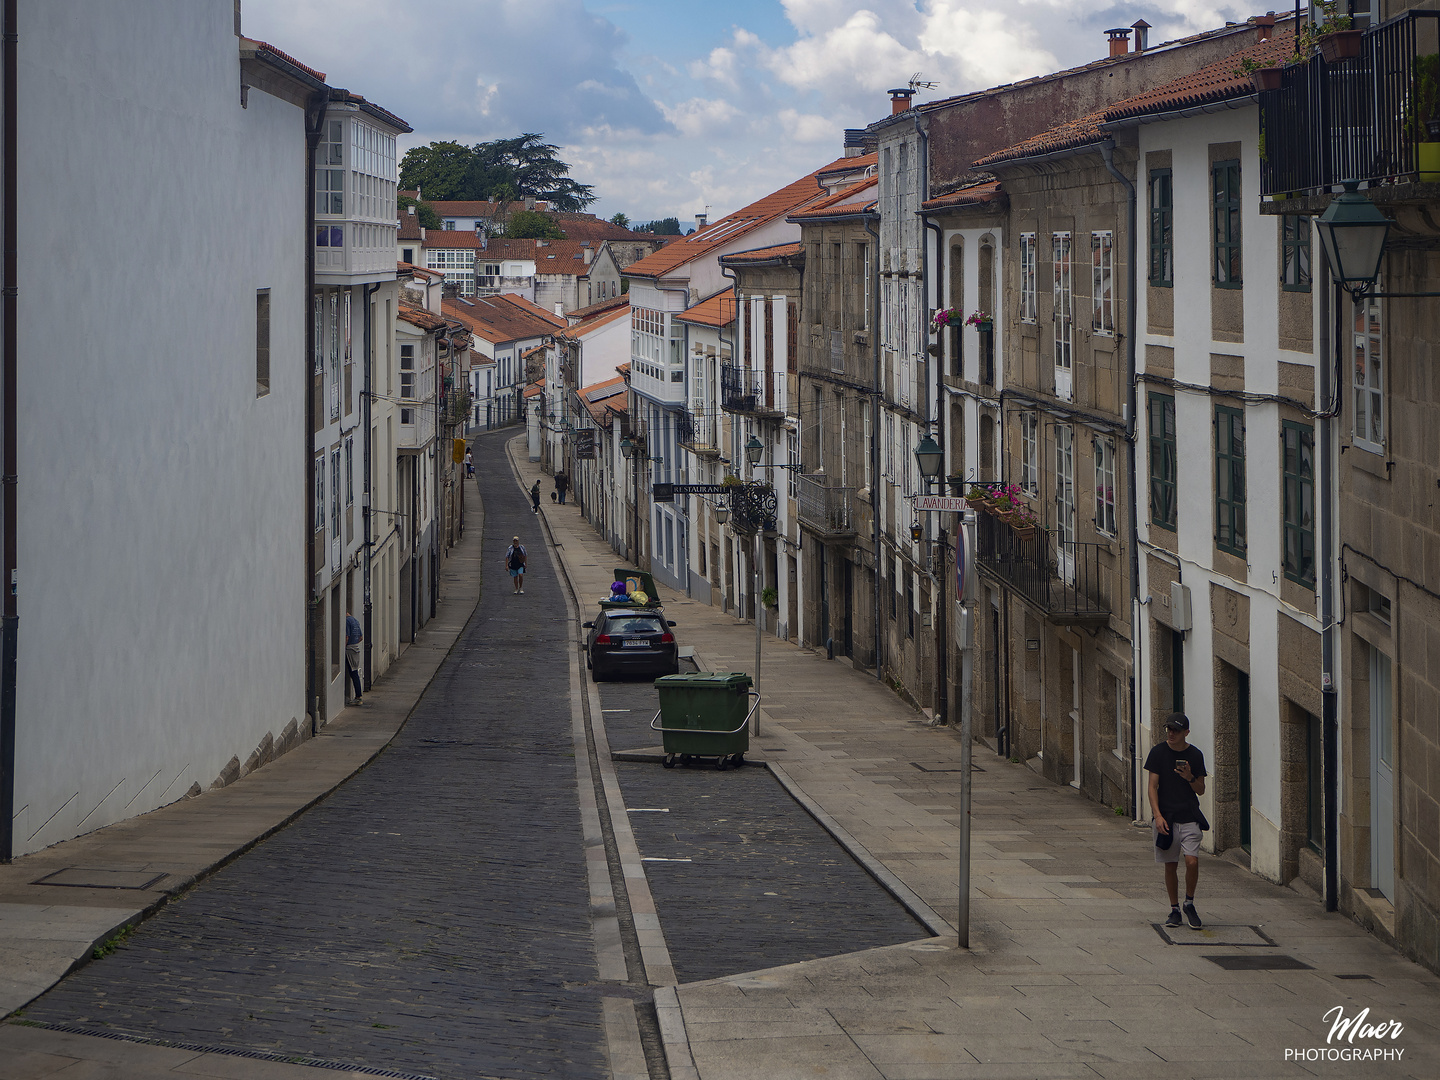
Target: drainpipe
{"x":439,"y":510}
{"x":1132,"y":278}
{"x":10,"y":625}
{"x":314,"y":125}
{"x":729,"y":275}
{"x":942,"y":653}
{"x":874,"y":448}
{"x":1329,"y":514}
{"x":368,"y":491}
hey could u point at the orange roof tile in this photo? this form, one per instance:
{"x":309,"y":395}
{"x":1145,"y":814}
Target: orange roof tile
{"x":550,"y":256}
{"x":265,"y":45}
{"x":718,"y":310}
{"x":603,"y":399}
{"x":595,"y":322}
{"x":535,"y":388}
{"x":481,"y":208}
{"x":772,"y":206}
{"x":418,"y":316}
{"x":766,"y":254}
{"x":852,"y":200}
{"x":583,"y":313}
{"x":503,"y":318}
{"x":973,"y":195}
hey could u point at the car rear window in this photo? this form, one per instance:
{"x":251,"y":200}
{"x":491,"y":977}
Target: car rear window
{"x":636,"y":624}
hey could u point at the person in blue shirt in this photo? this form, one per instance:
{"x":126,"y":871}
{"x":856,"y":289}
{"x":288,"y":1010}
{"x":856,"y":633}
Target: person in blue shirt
{"x":353,"y":637}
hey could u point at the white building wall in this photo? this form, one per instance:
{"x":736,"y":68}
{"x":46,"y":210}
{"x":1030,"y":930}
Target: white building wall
{"x":161,"y":502}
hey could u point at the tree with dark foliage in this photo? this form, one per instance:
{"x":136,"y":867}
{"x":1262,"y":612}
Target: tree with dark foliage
{"x":524,"y":165}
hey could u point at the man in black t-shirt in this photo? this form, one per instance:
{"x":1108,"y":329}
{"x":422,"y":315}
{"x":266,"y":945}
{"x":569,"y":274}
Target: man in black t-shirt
{"x":1177,"y":780}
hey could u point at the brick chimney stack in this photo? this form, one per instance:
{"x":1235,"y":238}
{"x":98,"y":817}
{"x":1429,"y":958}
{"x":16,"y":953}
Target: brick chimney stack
{"x":1264,"y":26}
{"x":900,"y":99}
{"x":1119,"y":40}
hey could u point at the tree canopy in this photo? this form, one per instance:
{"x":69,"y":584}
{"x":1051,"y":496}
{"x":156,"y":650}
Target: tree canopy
{"x":621,"y":220}
{"x":423,"y":210}
{"x":664,"y":227}
{"x":505,"y":169}
{"x":532,"y":225}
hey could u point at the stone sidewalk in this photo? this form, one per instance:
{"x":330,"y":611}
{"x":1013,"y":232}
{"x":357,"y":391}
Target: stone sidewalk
{"x":1070,"y":972}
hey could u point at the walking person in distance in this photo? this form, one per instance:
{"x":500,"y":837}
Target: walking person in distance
{"x":1177,"y":780}
{"x":469,"y":463}
{"x":562,"y":484}
{"x":535,"y":498}
{"x":515,"y":561}
{"x":353,"y":637}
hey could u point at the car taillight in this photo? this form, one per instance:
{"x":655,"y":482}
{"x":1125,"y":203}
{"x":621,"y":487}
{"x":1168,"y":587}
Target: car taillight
{"x":667,"y":638}
{"x":603,"y":639}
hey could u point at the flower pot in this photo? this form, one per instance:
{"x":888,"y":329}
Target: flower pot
{"x":1023,"y":532}
{"x":1341,"y":45}
{"x":985,"y":327}
{"x":1427,"y":157}
{"x":1266,"y":78}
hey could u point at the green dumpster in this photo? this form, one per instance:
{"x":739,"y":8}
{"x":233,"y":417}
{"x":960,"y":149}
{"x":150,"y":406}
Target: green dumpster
{"x":705,"y":715}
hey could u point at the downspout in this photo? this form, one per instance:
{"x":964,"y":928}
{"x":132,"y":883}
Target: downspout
{"x":314,"y":125}
{"x":10,"y":625}
{"x":874,"y":447}
{"x":437,"y":507}
{"x":1329,"y":701}
{"x":368,"y":493}
{"x":942,"y":653}
{"x":1132,"y":283}
{"x":729,"y":275}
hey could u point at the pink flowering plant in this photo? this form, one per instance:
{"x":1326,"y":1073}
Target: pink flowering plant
{"x":978,"y":318}
{"x":1013,"y":505}
{"x":943,"y":318}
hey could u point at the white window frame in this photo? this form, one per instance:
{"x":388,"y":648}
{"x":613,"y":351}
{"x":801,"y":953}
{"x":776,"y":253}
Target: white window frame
{"x":869,"y":436}
{"x":1027,"y":277}
{"x":1368,"y":374}
{"x":319,"y":516}
{"x":792,"y":445}
{"x":1102,"y":281}
{"x":407,"y":372}
{"x":1030,"y":453}
{"x":350,"y":470}
{"x":1063,"y":315}
{"x":1105,"y":485}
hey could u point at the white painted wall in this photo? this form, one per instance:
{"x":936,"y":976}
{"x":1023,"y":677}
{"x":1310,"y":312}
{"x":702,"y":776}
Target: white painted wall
{"x":161,"y":503}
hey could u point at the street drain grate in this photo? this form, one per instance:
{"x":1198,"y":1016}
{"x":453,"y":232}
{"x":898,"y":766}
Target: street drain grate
{"x":944,"y":766}
{"x":1233,"y":934}
{"x":1273,"y":962}
{"x":254,"y":1055}
{"x":1355,"y":977}
{"x":78,"y":877}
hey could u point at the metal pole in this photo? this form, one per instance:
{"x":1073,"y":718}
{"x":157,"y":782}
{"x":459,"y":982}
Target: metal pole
{"x":755,"y":577}
{"x":967,"y":727}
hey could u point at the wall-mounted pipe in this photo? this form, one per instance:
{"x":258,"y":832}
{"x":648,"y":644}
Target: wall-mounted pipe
{"x":10,"y":624}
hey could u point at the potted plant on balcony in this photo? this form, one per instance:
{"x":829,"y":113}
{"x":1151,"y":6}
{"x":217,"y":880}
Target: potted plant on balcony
{"x":981,"y":320}
{"x":943,"y":318}
{"x":1264,"y":77}
{"x":1422,"y":124}
{"x":769,"y":597}
{"x":1332,"y":35}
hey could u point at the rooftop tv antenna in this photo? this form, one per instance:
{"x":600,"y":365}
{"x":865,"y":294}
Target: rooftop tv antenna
{"x":917,"y":83}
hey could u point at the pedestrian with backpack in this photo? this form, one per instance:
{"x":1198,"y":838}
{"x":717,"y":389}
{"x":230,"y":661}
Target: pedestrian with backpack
{"x":515,"y":563}
{"x":535,"y":498}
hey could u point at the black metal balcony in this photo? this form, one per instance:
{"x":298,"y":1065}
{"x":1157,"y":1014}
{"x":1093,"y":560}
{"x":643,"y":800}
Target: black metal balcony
{"x":1061,"y":579}
{"x":826,"y":511}
{"x":1362,"y":118}
{"x":745,"y":391}
{"x":698,"y":432}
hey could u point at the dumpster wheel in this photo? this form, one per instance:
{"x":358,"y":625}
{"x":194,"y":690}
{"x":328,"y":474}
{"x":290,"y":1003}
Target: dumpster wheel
{"x":669,"y":761}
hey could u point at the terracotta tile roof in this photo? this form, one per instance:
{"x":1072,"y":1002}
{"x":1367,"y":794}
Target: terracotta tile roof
{"x":718,"y":310}
{"x":777,"y":204}
{"x":409,"y":227}
{"x":851,"y":201}
{"x":765,"y":254}
{"x":591,"y":310}
{"x":417,"y":271}
{"x":418,"y":316}
{"x":603,"y":399}
{"x":503,"y":318}
{"x":482,"y":208}
{"x":408,"y":193}
{"x":1215,"y":82}
{"x":589,"y":227}
{"x":595,"y":322}
{"x":972,"y":195}
{"x":252,"y":43}
{"x":849,"y":165}
{"x":535,"y":388}
{"x":550,"y":256}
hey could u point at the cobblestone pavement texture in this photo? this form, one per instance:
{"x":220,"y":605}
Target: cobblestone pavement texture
{"x":432,"y":915}
{"x":751,"y":879}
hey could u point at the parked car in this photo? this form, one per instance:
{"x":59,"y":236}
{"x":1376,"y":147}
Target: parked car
{"x":630,"y":641}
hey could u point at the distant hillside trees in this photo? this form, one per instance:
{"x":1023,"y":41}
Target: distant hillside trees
{"x":520,"y":168}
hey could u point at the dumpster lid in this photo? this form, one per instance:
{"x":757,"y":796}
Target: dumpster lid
{"x":716,"y":680}
{"x":636,"y":579}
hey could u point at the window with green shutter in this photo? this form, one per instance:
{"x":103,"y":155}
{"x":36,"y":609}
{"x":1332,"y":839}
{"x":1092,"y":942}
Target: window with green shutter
{"x":1162,"y":229}
{"x":1298,"y":480}
{"x":1162,"y":461}
{"x":1230,"y":479}
{"x":1294,"y":253}
{"x":1225,"y":182}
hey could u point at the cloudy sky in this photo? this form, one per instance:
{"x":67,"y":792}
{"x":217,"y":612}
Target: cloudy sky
{"x":670,"y":106}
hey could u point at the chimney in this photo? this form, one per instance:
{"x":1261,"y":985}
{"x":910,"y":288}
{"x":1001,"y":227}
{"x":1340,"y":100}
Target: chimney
{"x":702,"y":219}
{"x":529,"y":202}
{"x":900,"y":99}
{"x":410,"y":209}
{"x":1119,"y":40}
{"x":588,"y":253}
{"x":1264,"y":26}
{"x":1142,"y":36}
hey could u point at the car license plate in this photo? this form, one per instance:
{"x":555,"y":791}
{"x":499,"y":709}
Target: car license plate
{"x":636,"y":643}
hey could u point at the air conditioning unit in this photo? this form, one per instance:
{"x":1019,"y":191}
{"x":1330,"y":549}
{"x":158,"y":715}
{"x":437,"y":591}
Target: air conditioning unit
{"x":1180,"y":617}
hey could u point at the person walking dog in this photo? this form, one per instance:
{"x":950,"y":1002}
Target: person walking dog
{"x":515,"y":560}
{"x":1177,"y":780}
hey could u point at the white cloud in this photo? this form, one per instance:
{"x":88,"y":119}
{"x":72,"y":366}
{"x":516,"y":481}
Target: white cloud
{"x":701,"y":117}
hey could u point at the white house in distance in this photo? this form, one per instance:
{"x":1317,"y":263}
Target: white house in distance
{"x":556,"y":274}
{"x":591,"y":349}
{"x":142,"y":575}
{"x":504,"y":329}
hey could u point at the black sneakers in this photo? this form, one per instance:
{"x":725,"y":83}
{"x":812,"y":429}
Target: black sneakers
{"x":1192,"y":916}
{"x":1174,"y":919}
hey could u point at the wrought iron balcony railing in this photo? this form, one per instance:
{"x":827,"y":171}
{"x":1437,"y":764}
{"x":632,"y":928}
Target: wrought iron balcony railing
{"x":1362,"y":118}
{"x":698,"y":432}
{"x":1061,"y":579}
{"x":825,"y":510}
{"x":745,"y":391}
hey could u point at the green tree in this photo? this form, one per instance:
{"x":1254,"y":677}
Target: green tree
{"x":621,"y":220}
{"x":532,"y":225}
{"x":423,"y":210}
{"x":440,"y":170}
{"x":534,"y":170}
{"x":664,"y":227}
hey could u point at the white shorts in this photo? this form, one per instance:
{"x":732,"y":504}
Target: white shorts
{"x":1186,"y":842}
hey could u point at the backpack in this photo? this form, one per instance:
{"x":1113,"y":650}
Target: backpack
{"x":517,"y":558}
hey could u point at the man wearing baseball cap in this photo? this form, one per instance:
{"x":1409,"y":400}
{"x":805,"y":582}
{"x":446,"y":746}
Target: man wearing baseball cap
{"x":1177,"y":780}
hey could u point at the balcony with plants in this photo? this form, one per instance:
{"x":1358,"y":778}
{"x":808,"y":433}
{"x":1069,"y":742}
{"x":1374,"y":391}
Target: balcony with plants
{"x":1361,"y":105}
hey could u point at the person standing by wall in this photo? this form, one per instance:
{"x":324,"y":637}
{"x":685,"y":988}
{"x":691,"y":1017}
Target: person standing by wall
{"x":353,"y":637}
{"x":562,"y":484}
{"x":1177,"y":780}
{"x":469,"y":463}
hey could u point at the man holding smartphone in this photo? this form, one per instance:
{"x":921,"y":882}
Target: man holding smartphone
{"x":1177,"y":780}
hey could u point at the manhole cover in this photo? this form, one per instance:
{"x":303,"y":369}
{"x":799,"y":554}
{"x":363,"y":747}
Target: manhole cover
{"x":77,"y":877}
{"x":1259,"y":962}
{"x":943,"y":766}
{"x":1219,"y":934}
